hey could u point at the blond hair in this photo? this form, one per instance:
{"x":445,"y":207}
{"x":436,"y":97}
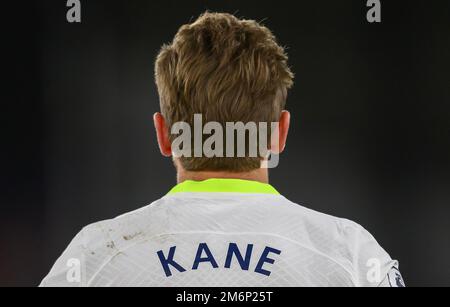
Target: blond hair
{"x":228,"y":70}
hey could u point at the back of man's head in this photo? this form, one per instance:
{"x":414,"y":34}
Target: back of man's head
{"x":227,"y":70}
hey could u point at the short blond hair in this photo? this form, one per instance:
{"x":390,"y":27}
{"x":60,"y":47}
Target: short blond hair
{"x":228,"y":70}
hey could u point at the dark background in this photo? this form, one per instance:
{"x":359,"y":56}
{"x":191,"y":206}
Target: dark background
{"x":370,"y":139}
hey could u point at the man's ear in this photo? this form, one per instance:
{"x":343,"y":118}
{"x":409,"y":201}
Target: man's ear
{"x":162,"y":134}
{"x":278,"y":142}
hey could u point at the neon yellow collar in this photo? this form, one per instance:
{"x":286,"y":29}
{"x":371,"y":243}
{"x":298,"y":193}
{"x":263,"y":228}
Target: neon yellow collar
{"x":224,"y":186}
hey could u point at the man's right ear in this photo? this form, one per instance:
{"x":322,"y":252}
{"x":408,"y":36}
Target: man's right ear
{"x":162,"y":134}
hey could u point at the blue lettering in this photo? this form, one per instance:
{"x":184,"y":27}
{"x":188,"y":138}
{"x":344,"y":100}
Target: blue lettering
{"x":265,"y":259}
{"x":233,"y":249}
{"x":169,"y":261}
{"x":203,"y":247}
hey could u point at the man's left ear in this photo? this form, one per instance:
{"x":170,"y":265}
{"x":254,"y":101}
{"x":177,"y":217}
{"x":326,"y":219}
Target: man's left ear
{"x":278,"y":142}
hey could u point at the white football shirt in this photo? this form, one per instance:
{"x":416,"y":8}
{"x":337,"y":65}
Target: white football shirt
{"x":227,"y":233}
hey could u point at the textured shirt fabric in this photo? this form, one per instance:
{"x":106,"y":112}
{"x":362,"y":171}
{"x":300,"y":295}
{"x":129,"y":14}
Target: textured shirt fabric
{"x":224,"y":239}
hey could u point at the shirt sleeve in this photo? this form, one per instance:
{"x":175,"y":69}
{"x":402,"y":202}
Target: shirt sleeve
{"x":393,"y":279}
{"x":71,"y":269}
{"x":372,"y":264}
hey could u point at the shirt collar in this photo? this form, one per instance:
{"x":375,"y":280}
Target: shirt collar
{"x":224,"y":186}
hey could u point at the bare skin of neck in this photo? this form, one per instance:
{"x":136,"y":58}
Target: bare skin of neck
{"x":259,"y":175}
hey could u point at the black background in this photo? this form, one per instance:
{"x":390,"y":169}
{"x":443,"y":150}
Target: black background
{"x":370,"y":139}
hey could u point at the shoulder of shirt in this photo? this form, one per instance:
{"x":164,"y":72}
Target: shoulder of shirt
{"x":115,"y":235}
{"x":344,"y":241}
{"x":342,"y":231}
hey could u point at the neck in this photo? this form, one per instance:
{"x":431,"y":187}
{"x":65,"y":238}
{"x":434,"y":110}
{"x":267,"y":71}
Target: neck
{"x":259,"y":175}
